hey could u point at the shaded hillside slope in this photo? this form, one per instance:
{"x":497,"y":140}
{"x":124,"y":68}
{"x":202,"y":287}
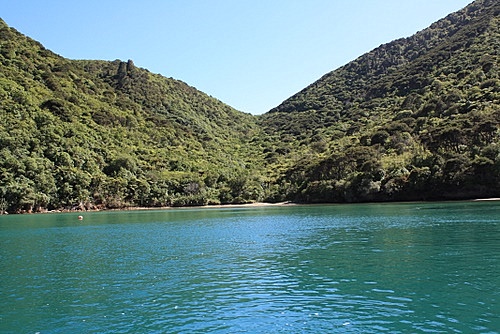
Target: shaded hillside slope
{"x":417,"y":118}
{"x":86,"y":133}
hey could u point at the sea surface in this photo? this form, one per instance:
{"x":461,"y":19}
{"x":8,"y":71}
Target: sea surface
{"x":358,"y":268}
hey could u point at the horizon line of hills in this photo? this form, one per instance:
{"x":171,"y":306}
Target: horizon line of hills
{"x":414,"y":119}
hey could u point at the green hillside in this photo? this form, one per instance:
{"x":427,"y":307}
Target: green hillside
{"x":414,"y":119}
{"x":109,"y":134}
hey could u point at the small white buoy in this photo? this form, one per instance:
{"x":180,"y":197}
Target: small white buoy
{"x":80,"y":217}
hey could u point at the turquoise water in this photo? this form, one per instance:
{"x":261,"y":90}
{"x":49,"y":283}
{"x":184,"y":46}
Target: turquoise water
{"x":371,"y":268}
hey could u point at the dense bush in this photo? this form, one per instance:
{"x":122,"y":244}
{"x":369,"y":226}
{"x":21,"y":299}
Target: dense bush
{"x":415,"y":119}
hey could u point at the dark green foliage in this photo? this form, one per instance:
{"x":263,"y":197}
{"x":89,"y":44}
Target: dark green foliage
{"x":427,"y":105}
{"x":415,"y":119}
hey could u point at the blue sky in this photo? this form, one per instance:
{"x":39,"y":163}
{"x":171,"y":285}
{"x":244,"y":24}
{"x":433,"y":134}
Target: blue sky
{"x":250,"y":54}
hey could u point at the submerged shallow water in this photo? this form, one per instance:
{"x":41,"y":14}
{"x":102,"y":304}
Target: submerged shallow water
{"x":364,"y":268}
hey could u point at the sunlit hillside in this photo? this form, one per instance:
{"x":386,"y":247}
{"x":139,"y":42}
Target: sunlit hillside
{"x":414,"y":119}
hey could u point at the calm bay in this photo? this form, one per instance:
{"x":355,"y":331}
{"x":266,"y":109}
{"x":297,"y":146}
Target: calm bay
{"x":357,"y":268}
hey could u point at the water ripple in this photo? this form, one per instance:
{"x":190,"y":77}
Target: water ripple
{"x":346,"y":269}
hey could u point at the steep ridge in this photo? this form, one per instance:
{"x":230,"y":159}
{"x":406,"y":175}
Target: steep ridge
{"x":405,"y":65}
{"x":416,"y":118}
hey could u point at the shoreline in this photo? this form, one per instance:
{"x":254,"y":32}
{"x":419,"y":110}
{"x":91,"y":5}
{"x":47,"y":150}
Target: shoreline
{"x":146,"y":208}
{"x":261,"y":204}
{"x":221,"y":206}
{"x":209,"y":206}
{"x":486,"y":199}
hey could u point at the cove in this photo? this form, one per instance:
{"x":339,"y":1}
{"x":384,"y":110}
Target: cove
{"x":360,"y":268}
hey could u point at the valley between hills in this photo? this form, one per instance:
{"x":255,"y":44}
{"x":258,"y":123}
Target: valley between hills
{"x":414,"y":119}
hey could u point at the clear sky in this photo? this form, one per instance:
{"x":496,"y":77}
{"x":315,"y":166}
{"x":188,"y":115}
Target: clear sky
{"x":250,"y":54}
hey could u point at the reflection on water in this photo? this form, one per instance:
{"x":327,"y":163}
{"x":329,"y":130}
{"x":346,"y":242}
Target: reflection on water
{"x":395,"y":268}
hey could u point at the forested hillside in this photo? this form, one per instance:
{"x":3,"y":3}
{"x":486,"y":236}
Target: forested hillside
{"x":414,"y":119}
{"x":109,"y":134}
